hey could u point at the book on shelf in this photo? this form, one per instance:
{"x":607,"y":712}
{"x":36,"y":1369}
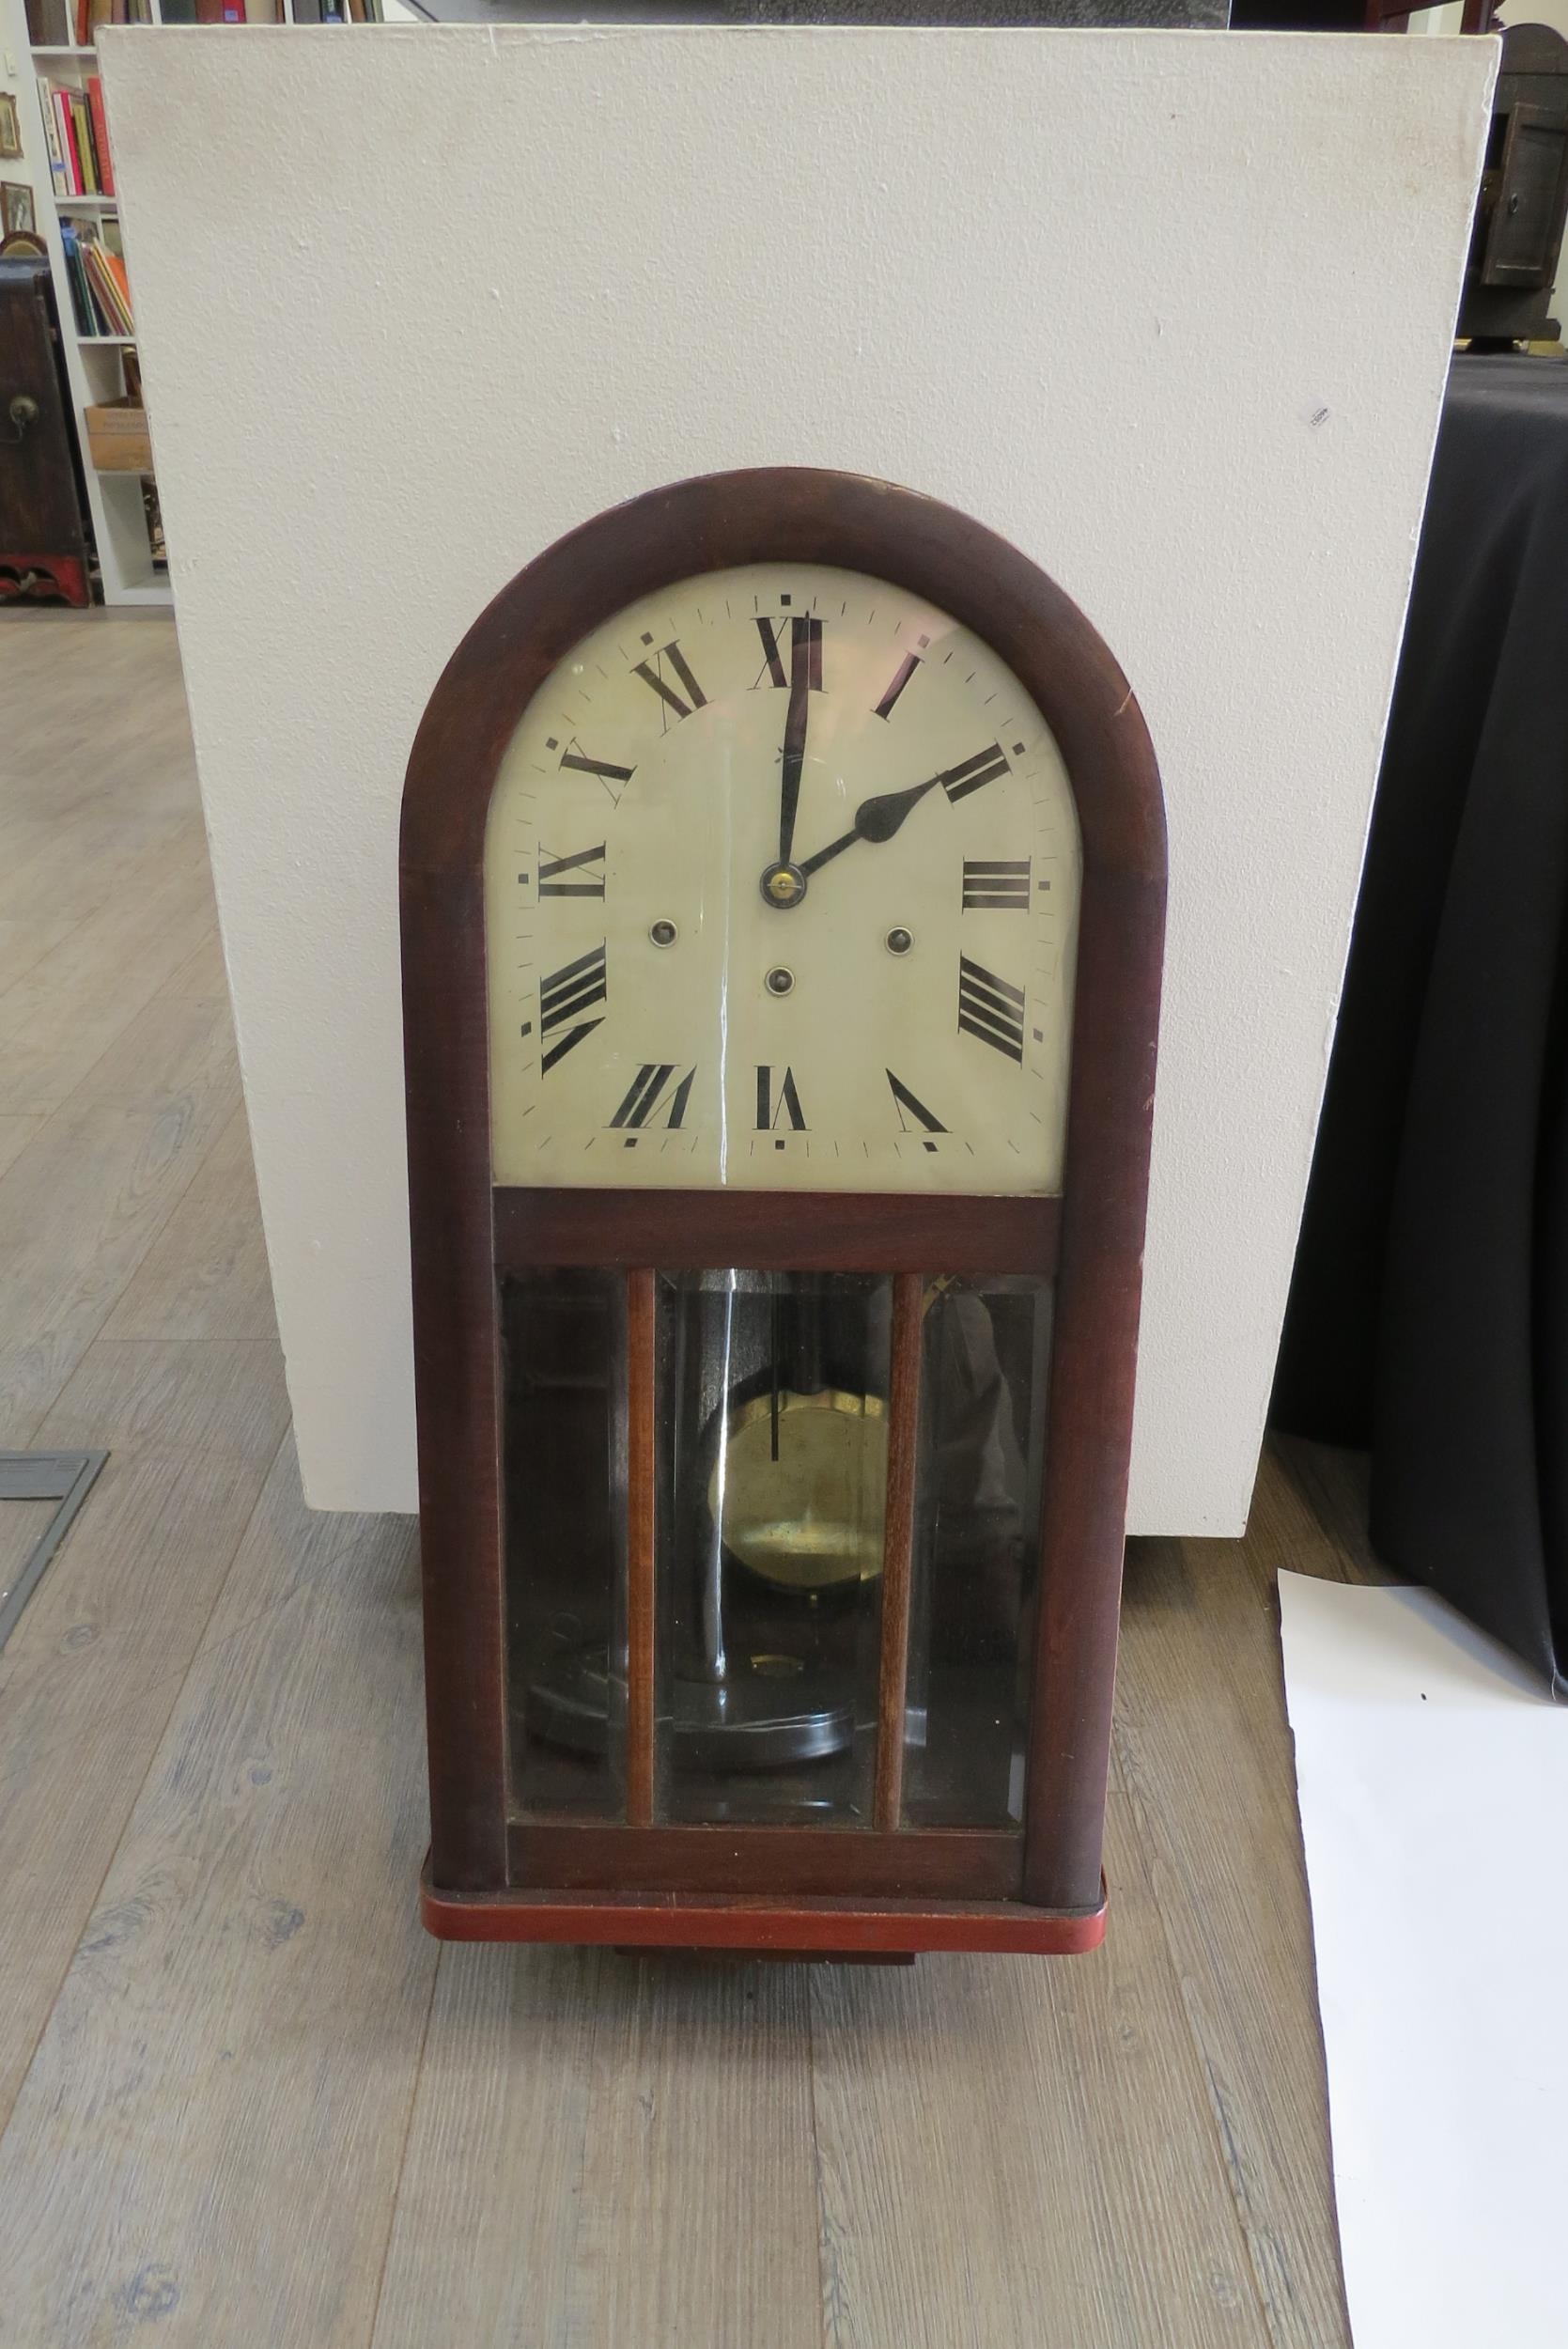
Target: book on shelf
{"x":95,"y":269}
{"x":76,"y":169}
{"x":76,"y":276}
{"x":73,"y":24}
{"x":99,"y":126}
{"x":52,"y":140}
{"x":52,"y":23}
{"x":110,"y":290}
{"x":82,"y":144}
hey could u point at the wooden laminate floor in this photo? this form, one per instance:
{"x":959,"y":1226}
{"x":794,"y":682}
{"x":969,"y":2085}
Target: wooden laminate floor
{"x":243,"y":2100}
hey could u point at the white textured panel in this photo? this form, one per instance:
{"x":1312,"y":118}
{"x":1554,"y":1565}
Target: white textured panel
{"x":1170,"y":310}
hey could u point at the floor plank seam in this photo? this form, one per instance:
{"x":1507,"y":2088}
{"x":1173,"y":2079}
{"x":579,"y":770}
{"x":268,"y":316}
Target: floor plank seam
{"x":1221,"y":2138}
{"x":154,"y":1749}
{"x":157,"y":1235}
{"x":25,"y":1436}
{"x":830,"y":2290}
{"x":396,"y":2197}
{"x":159,"y":994}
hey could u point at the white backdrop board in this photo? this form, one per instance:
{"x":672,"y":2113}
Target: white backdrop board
{"x":1432,"y":1777}
{"x":1170,"y":310}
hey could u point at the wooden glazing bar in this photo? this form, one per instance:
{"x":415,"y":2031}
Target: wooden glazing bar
{"x":640,"y":1566}
{"x":898,"y":1532}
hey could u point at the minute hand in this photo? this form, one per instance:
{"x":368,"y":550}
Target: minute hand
{"x":879,"y":817}
{"x":802,"y":645}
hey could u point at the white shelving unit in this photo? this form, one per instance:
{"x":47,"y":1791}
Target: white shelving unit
{"x":95,"y":363}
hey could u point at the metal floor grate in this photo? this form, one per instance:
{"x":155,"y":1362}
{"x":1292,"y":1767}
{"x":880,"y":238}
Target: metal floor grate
{"x":62,"y":1477}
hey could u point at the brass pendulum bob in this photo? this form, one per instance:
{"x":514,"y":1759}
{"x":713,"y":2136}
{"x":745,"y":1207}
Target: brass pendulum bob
{"x":778,"y":1525}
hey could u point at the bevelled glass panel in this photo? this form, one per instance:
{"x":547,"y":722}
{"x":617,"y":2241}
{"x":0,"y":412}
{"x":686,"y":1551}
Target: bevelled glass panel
{"x":773,"y":1450}
{"x":563,"y":1336}
{"x":984,"y":1356}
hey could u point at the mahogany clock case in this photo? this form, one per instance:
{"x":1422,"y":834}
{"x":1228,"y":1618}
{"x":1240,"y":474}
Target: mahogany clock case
{"x":886,"y":1882}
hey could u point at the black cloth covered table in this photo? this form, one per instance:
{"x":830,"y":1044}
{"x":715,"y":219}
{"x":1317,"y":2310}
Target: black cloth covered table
{"x":1428,"y":1313}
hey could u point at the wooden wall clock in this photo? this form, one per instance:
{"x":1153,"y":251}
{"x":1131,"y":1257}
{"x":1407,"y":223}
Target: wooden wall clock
{"x":783,"y":887}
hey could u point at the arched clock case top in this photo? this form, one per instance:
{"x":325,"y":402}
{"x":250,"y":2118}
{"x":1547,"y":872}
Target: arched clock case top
{"x":887,"y":1886}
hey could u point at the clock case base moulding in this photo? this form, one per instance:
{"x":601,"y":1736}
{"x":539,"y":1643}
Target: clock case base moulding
{"x":808,"y":1929}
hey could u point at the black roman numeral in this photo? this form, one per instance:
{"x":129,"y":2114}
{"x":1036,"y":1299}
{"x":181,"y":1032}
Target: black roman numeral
{"x":652,"y":673}
{"x":904,"y":671}
{"x":589,"y":885}
{"x":614,"y":779}
{"x":905,"y":1102}
{"x":651,"y":1091}
{"x":984,"y":767}
{"x":805,"y":634}
{"x":994,"y":884}
{"x":775,"y":1104}
{"x":989,"y":1008}
{"x":574,"y":989}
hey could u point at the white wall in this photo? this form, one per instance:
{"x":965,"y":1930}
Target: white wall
{"x":1550,"y":12}
{"x":18,"y":75}
{"x":1171,"y":310}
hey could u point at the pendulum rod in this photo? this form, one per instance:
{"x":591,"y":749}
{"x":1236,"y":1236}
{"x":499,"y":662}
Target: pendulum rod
{"x":898,"y":1529}
{"x":640,"y":1318}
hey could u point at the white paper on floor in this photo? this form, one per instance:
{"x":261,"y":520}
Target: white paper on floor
{"x":1433,"y":1777}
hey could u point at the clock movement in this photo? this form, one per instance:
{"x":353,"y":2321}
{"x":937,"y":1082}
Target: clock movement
{"x":783,"y":885}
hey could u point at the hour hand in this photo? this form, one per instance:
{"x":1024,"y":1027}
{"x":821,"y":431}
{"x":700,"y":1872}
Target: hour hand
{"x":875,"y":819}
{"x":879,"y":817}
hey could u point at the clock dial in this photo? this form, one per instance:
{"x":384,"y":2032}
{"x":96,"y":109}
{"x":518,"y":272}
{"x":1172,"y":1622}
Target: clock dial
{"x":781,"y":884}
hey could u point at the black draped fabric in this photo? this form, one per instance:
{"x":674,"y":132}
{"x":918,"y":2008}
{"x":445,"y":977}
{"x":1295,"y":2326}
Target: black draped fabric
{"x":1428,"y":1313}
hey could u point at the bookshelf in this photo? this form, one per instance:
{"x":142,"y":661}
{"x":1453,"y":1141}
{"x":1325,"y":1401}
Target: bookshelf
{"x":128,"y":571}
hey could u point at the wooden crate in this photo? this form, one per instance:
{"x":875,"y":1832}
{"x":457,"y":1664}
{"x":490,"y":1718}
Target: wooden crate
{"x":117,"y":438}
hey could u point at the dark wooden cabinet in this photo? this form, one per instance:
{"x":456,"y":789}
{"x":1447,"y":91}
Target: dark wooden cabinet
{"x":43,"y":542}
{"x":1517,"y":236}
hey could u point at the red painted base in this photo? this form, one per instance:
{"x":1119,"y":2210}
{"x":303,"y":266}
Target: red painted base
{"x":44,"y":579}
{"x":768,"y":1927}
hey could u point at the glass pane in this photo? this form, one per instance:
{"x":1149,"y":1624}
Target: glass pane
{"x":563,"y":1358}
{"x":773,"y":1468}
{"x":984,"y":1356}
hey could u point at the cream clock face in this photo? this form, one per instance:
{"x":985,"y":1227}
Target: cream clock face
{"x":782,"y":885}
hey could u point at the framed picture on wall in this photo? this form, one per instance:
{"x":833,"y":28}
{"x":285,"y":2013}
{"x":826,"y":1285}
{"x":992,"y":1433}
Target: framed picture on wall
{"x":16,"y":206}
{"x":10,"y":128}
